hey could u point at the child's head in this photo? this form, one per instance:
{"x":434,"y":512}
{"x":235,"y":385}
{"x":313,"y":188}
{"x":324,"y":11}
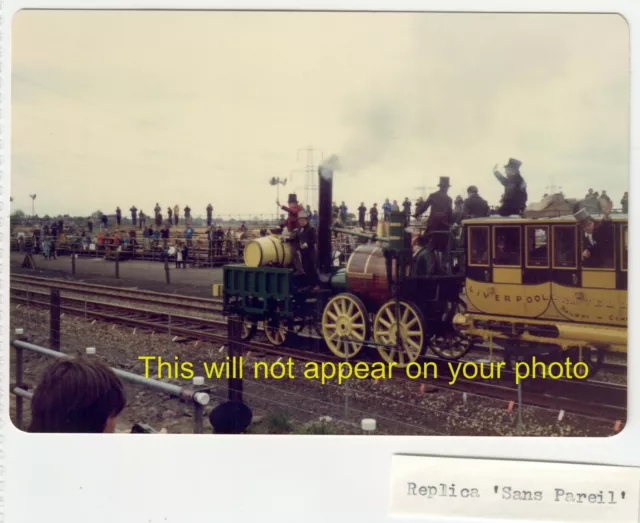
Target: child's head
{"x":76,"y":396}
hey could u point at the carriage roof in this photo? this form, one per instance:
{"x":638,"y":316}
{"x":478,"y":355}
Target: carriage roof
{"x":516,"y":220}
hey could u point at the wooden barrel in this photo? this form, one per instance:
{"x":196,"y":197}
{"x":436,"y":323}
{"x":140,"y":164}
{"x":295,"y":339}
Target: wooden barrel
{"x":268,"y":251}
{"x":366,"y":275}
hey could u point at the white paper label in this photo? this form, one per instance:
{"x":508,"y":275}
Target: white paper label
{"x":513,"y":490}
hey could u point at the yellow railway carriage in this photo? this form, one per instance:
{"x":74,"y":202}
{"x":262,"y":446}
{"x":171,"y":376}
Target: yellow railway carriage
{"x":542,"y":286}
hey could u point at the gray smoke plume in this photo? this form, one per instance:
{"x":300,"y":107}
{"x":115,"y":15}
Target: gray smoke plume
{"x":373,"y":127}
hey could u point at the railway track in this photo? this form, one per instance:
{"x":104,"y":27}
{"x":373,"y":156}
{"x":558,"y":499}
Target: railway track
{"x":202,"y":306}
{"x":595,"y":399}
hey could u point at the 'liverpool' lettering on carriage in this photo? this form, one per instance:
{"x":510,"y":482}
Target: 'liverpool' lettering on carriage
{"x":508,"y":298}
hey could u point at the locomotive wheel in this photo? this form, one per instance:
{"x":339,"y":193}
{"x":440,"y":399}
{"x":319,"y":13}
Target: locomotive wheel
{"x":345,"y":325}
{"x":410,"y":327}
{"x":451,"y":345}
{"x":276,"y":335}
{"x":249,"y":328}
{"x":592,"y":356}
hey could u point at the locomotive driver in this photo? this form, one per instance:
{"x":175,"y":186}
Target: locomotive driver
{"x":306,"y":235}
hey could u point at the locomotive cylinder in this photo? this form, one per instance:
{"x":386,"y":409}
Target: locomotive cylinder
{"x":268,"y":251}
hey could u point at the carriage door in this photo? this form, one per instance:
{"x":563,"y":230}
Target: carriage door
{"x":507,"y":254}
{"x":478,"y":245}
{"x":598,"y":270}
{"x":564,"y":263}
{"x":537,"y":255}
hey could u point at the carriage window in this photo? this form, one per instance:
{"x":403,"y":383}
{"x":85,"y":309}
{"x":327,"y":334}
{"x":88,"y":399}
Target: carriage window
{"x":479,"y":246}
{"x":538,"y":246}
{"x":597,"y":245}
{"x":625,"y":247}
{"x":506,"y":250}
{"x":564,"y":246}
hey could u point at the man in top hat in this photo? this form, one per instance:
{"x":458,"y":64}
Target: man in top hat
{"x":118,"y":216}
{"x":231,"y":417}
{"x":440,"y":218}
{"x":134,"y":213}
{"x":293,"y":209}
{"x":514,"y":199}
{"x":596,"y":239}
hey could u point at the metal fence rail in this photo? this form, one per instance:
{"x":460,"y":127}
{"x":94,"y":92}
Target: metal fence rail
{"x":197,"y":396}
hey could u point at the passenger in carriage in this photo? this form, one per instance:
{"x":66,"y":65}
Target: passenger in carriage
{"x":596,"y":239}
{"x":506,"y":254}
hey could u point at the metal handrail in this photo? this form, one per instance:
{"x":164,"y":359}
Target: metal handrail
{"x":197,"y":396}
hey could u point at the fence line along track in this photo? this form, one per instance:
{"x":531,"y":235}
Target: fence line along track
{"x":195,"y":304}
{"x":590,"y":398}
{"x":106,"y":291}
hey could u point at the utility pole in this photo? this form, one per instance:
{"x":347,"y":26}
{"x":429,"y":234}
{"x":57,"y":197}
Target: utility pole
{"x":311,"y":183}
{"x":423,"y":189}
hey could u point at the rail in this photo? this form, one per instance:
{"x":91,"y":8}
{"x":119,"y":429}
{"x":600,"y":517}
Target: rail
{"x":198,"y":396}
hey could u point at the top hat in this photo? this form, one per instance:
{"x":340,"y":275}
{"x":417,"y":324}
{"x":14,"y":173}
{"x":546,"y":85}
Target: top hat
{"x":293,"y":198}
{"x":582,"y":216}
{"x":231,"y":417}
{"x":513,"y":163}
{"x":444,"y":181}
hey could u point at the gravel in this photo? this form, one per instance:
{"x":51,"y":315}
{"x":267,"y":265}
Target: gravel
{"x":288,"y":405}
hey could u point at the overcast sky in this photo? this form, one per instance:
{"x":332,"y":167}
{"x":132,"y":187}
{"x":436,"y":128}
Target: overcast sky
{"x":121,"y":108}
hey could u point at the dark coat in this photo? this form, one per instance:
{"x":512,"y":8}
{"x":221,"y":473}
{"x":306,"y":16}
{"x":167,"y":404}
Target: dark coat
{"x":514,"y":199}
{"x":475,"y":207}
{"x":307,"y":244}
{"x":373,"y":214}
{"x":440,"y":218}
{"x":362,"y":210}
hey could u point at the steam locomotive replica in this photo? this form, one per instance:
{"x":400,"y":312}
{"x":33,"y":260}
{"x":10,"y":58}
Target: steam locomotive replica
{"x":519,"y":283}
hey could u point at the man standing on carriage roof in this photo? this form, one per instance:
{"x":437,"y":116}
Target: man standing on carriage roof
{"x":440,"y":218}
{"x":514,"y":199}
{"x":474,"y":206}
{"x":134,"y":213}
{"x":118,"y":216}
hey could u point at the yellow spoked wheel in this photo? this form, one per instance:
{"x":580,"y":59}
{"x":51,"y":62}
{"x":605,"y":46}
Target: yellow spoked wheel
{"x":276,"y":335}
{"x":345,"y":325}
{"x":410,"y":329}
{"x":249,"y":328}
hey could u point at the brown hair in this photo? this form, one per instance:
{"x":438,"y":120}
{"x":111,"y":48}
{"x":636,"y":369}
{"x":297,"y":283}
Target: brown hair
{"x":76,"y":396}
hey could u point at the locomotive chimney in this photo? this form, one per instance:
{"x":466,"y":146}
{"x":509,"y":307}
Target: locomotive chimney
{"x":325,"y":196}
